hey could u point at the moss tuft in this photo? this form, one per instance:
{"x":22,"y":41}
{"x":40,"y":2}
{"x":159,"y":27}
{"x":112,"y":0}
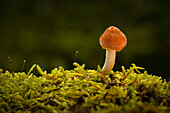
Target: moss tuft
{"x":83,"y":90}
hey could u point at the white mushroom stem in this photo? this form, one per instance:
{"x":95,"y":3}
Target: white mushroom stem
{"x":109,"y":60}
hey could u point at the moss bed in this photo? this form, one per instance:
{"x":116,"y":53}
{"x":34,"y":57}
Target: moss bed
{"x":84,"y":91}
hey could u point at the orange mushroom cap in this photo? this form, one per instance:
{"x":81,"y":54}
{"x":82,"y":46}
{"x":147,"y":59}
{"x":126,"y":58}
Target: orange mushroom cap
{"x":113,"y":39}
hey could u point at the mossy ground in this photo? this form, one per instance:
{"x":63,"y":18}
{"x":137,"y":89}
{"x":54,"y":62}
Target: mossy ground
{"x":83,"y":90}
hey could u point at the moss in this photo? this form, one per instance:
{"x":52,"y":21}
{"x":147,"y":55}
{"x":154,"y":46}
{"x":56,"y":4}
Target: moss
{"x":84,"y":90}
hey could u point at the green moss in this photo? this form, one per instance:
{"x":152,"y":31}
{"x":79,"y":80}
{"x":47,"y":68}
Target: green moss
{"x":83,"y":90}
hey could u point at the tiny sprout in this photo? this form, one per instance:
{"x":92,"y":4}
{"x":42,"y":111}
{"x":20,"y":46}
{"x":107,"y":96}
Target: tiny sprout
{"x":76,"y":54}
{"x":10,"y":64}
{"x":23,"y":65}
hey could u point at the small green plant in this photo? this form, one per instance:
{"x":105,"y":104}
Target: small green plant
{"x":83,"y":90}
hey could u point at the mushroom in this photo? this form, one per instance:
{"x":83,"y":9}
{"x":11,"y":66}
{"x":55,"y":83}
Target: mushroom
{"x":112,"y":40}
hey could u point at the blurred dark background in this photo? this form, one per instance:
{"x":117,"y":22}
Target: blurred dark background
{"x":49,"y":32}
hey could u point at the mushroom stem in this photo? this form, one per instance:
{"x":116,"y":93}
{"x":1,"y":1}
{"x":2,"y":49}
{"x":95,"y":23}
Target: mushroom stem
{"x":109,"y":60}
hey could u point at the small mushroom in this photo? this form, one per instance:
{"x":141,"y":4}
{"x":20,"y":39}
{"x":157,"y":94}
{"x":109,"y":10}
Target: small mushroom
{"x":112,"y":40}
